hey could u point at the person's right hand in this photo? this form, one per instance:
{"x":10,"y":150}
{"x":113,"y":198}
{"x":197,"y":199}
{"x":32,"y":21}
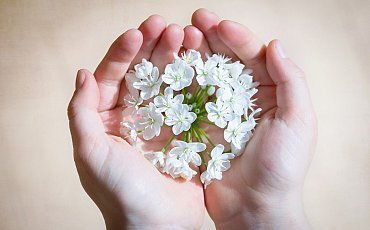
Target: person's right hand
{"x":127,"y":188}
{"x":263,"y":187}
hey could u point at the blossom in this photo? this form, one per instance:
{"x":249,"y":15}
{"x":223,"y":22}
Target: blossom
{"x":180,"y":118}
{"x":167,"y":101}
{"x":148,"y":82}
{"x":234,"y":69}
{"x":245,"y":80}
{"x":219,"y":59}
{"x":186,"y":172}
{"x":178,"y":168}
{"x":143,"y":69}
{"x":133,"y":99}
{"x":238,"y":133}
{"x":222,"y":97}
{"x":132,"y":130}
{"x":178,"y":75}
{"x":156,"y":158}
{"x":219,"y":162}
{"x":188,"y":151}
{"x":250,"y":118}
{"x":221,"y":76}
{"x":219,"y":113}
{"x":206,"y":178}
{"x":204,"y":72}
{"x":191,"y":57}
{"x":236,"y":98}
{"x":150,"y":121}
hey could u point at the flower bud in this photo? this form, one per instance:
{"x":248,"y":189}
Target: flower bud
{"x":188,"y":95}
{"x":211,"y":90}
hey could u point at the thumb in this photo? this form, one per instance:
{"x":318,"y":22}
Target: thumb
{"x":292,"y":94}
{"x":84,"y":121}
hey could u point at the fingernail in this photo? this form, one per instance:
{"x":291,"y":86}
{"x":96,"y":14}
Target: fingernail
{"x":280,"y":49}
{"x":80,"y":79}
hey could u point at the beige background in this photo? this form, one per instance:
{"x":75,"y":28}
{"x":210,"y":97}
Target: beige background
{"x":43,"y":43}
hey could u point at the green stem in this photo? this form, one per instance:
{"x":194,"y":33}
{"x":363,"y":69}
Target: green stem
{"x":209,"y":155}
{"x":206,"y":136}
{"x":197,"y":136}
{"x":184,"y":134}
{"x":206,"y":122}
{"x":202,"y":98}
{"x":200,"y":154}
{"x":168,"y":144}
{"x":184,"y":91}
{"x":196,"y":91}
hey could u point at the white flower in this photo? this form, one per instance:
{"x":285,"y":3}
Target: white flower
{"x":204,"y":72}
{"x":150,"y":121}
{"x":157,"y":159}
{"x":149,"y":81}
{"x":131,"y":128}
{"x":238,"y":133}
{"x":180,"y":118}
{"x":133,"y":99}
{"x":206,"y":178}
{"x":167,"y":101}
{"x":178,"y":75}
{"x":221,"y":76}
{"x":178,"y":168}
{"x":187,"y":173}
{"x":188,"y":151}
{"x":143,"y":69}
{"x":219,"y":113}
{"x":250,"y":117}
{"x":220,"y":162}
{"x":234,"y":69}
{"x":237,"y":99}
{"x":219,"y":59}
{"x":245,"y":80}
{"x":191,"y":57}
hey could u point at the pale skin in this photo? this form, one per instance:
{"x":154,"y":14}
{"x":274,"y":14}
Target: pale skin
{"x":262,"y":189}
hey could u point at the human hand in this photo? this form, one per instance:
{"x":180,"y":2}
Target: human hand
{"x":128,"y":190}
{"x":263,"y":187}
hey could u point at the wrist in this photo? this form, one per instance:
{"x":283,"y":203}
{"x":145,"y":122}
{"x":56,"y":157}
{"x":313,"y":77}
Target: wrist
{"x":117,"y":221}
{"x":282,"y":213}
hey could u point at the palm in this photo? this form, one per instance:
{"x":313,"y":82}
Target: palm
{"x":262,"y":170}
{"x":273,"y":161}
{"x":114,"y":173}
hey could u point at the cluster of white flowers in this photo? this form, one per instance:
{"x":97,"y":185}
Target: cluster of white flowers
{"x":221,"y":95}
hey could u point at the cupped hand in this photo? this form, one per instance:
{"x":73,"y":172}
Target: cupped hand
{"x":129,"y":191}
{"x":262,"y":189}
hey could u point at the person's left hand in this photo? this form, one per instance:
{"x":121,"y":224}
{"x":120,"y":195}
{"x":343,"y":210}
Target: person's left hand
{"x":128,"y":189}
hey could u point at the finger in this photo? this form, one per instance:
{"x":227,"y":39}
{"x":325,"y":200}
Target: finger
{"x":293,"y":99}
{"x":169,"y":43}
{"x":84,"y":120}
{"x":207,"y":22}
{"x":249,"y":49}
{"x":194,"y":39}
{"x":114,"y":65}
{"x":151,"y":28}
